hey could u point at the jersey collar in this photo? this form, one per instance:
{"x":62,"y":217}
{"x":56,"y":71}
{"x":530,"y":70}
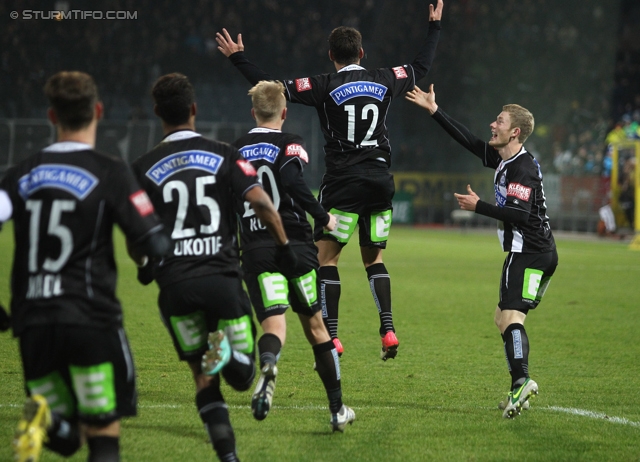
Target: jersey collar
{"x":352,"y":67}
{"x":264,"y":130}
{"x":522,"y":151}
{"x":67,"y":146}
{"x":180,"y":135}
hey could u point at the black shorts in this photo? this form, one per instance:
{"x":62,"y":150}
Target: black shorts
{"x":192,"y":308}
{"x":359,"y":195}
{"x":84,"y":372}
{"x":525,"y":278}
{"x":272,"y":292}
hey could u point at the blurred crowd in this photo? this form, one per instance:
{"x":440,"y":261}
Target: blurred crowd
{"x":580,"y":103}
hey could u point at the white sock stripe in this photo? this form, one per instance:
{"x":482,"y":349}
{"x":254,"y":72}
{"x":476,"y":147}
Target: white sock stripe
{"x":375,"y":276}
{"x":212,"y":406}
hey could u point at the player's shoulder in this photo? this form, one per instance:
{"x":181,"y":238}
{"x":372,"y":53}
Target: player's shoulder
{"x":307,"y":83}
{"x":289,"y":138}
{"x":294,"y":147}
{"x":526,"y":165}
{"x":396,"y":73}
{"x":179,"y":148}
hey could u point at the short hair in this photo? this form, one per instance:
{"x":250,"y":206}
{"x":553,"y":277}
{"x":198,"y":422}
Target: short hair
{"x":173,"y":95}
{"x":72,"y":96}
{"x":345,"y":44}
{"x":520,"y":118}
{"x":268,"y":99}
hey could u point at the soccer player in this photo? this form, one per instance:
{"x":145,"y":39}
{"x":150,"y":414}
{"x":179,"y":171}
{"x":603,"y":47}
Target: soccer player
{"x":64,"y":202}
{"x":279,"y":159}
{"x":523,"y":230}
{"x":357,"y":188}
{"x":194,"y":183}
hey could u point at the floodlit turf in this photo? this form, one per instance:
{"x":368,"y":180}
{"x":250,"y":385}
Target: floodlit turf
{"x":438,"y":399}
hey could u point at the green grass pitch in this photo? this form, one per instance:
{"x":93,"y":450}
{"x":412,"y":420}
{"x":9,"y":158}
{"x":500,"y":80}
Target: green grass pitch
{"x":438,"y":399}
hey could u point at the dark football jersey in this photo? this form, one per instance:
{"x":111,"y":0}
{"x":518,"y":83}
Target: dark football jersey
{"x":352,"y":105}
{"x":269,"y":151}
{"x":194,"y":183}
{"x":65,"y":201}
{"x":517,"y":184}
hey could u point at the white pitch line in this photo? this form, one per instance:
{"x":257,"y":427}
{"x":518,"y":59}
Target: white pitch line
{"x":566,"y":410}
{"x":593,"y":415}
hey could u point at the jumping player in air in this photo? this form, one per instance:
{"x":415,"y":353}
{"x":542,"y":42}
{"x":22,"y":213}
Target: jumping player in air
{"x":357,"y":188}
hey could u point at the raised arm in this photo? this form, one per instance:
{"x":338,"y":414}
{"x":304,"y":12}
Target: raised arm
{"x":235,"y":52}
{"x":458,"y":132}
{"x":422,"y":63}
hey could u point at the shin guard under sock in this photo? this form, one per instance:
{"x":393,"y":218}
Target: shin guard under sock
{"x":516,"y":345}
{"x":328,"y":368}
{"x":380,"y":285}
{"x":214,"y":414}
{"x":269,"y":346}
{"x":330,"y":297}
{"x":103,"y":449}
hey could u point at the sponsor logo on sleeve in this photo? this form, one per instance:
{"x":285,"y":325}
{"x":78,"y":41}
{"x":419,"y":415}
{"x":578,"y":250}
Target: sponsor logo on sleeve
{"x":400,"y":72}
{"x":141,"y":202}
{"x":519,"y":191}
{"x":246,"y":167}
{"x":297,"y":150}
{"x":303,"y":84}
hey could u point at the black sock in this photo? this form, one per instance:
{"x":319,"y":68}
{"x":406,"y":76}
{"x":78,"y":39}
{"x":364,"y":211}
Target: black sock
{"x":380,"y":285}
{"x":269,"y":346}
{"x":330,"y":297}
{"x":516,"y":345}
{"x":103,"y":449}
{"x":63,"y":436}
{"x":328,"y":368}
{"x":215,"y":416}
{"x":506,"y":356}
{"x":240,"y":371}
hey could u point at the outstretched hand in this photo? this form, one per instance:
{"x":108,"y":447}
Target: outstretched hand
{"x":467,"y":202}
{"x":226,"y":45}
{"x":422,"y":99}
{"x":435,"y":13}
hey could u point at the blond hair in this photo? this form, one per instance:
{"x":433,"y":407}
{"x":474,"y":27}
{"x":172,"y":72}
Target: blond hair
{"x":268,"y":99}
{"x":520,"y":118}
